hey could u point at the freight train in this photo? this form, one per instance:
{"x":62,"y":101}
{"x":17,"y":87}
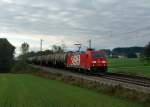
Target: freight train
{"x":89,"y":61}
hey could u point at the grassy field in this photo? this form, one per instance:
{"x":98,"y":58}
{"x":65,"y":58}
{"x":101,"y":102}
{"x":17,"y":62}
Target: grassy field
{"x":22,"y":90}
{"x":129,"y":66}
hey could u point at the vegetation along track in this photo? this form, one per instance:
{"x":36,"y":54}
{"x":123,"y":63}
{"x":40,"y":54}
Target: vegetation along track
{"x":113,"y":79}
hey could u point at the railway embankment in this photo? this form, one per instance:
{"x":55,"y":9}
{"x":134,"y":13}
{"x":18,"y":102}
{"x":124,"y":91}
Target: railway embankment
{"x":131,"y":89}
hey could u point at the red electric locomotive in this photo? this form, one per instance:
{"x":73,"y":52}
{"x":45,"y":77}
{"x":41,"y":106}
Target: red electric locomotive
{"x":90,"y":60}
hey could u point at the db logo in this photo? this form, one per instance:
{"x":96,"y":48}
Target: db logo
{"x":75,"y":60}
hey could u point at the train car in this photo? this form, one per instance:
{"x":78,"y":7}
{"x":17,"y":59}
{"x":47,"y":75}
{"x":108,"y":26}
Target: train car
{"x":91,"y":60}
{"x":57,"y":59}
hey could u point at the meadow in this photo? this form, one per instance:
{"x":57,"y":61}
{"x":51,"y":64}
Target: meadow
{"x":131,"y":66}
{"x":23,"y":90}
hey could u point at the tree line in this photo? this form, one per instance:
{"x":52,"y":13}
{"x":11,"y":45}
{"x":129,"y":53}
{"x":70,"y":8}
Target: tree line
{"x":129,"y":52}
{"x":7,"y":53}
{"x":55,"y":49}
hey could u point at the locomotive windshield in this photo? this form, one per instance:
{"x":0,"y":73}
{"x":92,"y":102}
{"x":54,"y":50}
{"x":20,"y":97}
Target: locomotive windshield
{"x":98,"y":55}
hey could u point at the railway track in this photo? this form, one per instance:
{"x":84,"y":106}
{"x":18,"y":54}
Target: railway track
{"x":137,"y":80}
{"x":131,"y":79}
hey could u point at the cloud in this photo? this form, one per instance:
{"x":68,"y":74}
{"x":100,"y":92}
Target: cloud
{"x":109,"y":23}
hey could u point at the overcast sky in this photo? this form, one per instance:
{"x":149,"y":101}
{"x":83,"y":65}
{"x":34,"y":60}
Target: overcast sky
{"x":108,"y":23}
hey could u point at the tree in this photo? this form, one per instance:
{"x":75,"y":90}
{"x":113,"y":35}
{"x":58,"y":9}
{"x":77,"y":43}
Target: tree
{"x":57,"y":49}
{"x":24,"y":51}
{"x":21,"y":65}
{"x":131,"y":55}
{"x":146,"y":52}
{"x":6,"y":55}
{"x":46,"y":52}
{"x":24,"y":48}
{"x":129,"y":52}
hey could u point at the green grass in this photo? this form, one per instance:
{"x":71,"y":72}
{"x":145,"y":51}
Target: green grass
{"x":129,"y":66}
{"x":22,"y":90}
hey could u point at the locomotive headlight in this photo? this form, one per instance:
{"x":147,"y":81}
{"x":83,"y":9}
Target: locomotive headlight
{"x":103,"y":61}
{"x":93,"y":62}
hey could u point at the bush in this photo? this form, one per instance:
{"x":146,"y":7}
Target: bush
{"x":21,"y":67}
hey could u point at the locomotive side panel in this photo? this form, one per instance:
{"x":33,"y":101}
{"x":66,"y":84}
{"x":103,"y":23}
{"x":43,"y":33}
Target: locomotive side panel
{"x":73,"y":60}
{"x":78,"y":60}
{"x":84,"y":61}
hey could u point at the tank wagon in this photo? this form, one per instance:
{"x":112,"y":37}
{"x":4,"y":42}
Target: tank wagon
{"x":91,"y":60}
